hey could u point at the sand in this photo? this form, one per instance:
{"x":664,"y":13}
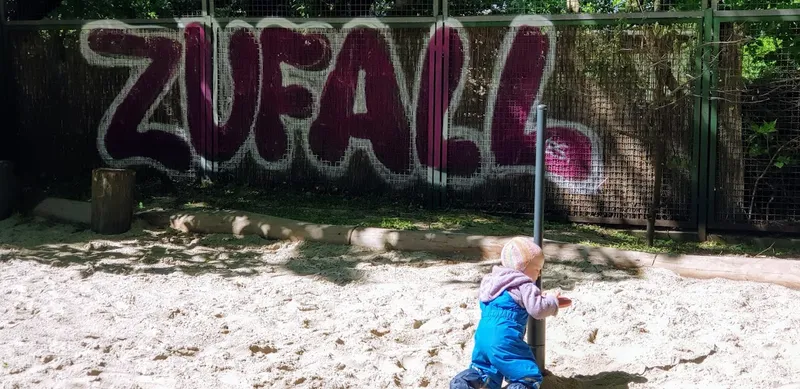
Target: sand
{"x":154,"y":309}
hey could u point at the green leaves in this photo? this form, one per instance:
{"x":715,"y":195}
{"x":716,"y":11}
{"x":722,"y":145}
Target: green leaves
{"x":766,"y":128}
{"x":756,"y":150}
{"x":764,"y":143}
{"x":782,"y":161}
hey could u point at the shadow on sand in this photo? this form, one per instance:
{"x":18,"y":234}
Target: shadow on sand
{"x":607,"y":380}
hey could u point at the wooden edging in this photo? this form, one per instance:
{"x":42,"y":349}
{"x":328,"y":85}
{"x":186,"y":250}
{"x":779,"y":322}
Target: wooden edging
{"x":770,"y":270}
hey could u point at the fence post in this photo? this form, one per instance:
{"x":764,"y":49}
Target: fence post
{"x":3,"y":56}
{"x":706,"y":120}
{"x":9,"y":132}
{"x":444,"y":86}
{"x":437,"y":122}
{"x":713,"y":129}
{"x":208,"y":8}
{"x":212,"y":62}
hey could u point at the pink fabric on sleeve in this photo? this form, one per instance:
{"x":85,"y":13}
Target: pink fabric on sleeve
{"x":530,"y":297}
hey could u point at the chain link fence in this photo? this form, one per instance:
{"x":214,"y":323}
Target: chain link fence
{"x":758,"y":153}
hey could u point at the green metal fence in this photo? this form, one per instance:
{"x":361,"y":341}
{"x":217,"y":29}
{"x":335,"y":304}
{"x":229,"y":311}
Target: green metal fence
{"x":694,"y":107}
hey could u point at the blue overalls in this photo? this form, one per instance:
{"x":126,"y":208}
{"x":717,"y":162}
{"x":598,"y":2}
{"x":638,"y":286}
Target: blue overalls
{"x":500,"y":349}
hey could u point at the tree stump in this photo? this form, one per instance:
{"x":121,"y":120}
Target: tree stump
{"x":8,"y":189}
{"x":112,"y":200}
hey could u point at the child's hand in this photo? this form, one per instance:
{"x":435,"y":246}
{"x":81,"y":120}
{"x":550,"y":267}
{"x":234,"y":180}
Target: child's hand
{"x":563,"y":302}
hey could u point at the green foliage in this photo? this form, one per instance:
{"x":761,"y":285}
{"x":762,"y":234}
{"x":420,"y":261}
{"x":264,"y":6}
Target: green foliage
{"x":759,"y":4}
{"x":397,"y":223}
{"x":764,"y":143}
{"x":125,"y":9}
{"x":774,"y":49}
{"x":758,"y":57}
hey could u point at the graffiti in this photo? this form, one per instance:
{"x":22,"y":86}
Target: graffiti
{"x":293,"y":88}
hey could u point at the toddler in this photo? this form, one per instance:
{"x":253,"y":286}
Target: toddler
{"x":507,"y":296}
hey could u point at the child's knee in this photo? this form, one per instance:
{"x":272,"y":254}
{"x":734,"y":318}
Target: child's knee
{"x":527,"y":383}
{"x":467,"y":379}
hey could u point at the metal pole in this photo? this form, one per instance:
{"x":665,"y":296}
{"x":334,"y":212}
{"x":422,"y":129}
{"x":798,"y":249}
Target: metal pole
{"x":536,"y":328}
{"x":6,"y":96}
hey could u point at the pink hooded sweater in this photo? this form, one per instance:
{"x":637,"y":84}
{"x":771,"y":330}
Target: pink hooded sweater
{"x":521,"y":288}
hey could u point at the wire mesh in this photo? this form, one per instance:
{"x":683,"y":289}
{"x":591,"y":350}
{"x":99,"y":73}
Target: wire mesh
{"x":730,"y":5}
{"x":101,"y":9}
{"x":758,"y":152}
{"x":527,"y":7}
{"x":61,"y":100}
{"x":323,"y":8}
{"x":333,"y":109}
{"x":326,"y":110}
{"x":607,"y":106}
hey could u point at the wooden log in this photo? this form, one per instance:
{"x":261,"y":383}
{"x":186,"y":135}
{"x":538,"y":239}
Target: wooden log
{"x":248,"y":223}
{"x":775,"y":271}
{"x":112,"y":200}
{"x":8,"y":189}
{"x":479,"y":246}
{"x":70,"y":211}
{"x":766,"y":270}
{"x":485,"y":247}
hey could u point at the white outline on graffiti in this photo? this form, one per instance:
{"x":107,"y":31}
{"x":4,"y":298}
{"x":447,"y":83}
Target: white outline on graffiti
{"x":314,"y":81}
{"x":137,"y":67}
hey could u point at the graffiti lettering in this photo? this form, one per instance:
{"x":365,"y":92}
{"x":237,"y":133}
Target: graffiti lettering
{"x":340,"y":96}
{"x":363,"y":69}
{"x":125,"y":131}
{"x":227,"y":138}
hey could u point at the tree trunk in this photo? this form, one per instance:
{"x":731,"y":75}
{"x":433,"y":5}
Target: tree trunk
{"x":112,"y":200}
{"x":730,"y":153}
{"x":7,"y":189}
{"x":659,"y":123}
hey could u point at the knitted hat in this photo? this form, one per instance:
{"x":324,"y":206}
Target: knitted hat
{"x":518,"y":253}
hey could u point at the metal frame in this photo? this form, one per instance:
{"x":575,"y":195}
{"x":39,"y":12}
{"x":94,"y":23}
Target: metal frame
{"x":587,"y":19}
{"x":208,"y":10}
{"x":697,"y":155}
{"x":7,"y":82}
{"x":339,"y":22}
{"x":703,"y":184}
{"x":4,"y":54}
{"x":713,"y":134}
{"x":212,"y":31}
{"x":435,"y":83}
{"x":74,"y":24}
{"x":758,"y":15}
{"x":445,"y":85}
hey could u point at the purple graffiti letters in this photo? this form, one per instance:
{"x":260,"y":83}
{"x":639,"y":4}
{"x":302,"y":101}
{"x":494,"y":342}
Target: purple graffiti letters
{"x":220,"y":142}
{"x":307,"y":52}
{"x":123,"y":139}
{"x":364,"y":61}
{"x":293,"y":88}
{"x":569,"y":151}
{"x":519,"y":83}
{"x":463,"y":156}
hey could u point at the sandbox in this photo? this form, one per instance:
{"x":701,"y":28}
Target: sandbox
{"x":155,"y":309}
